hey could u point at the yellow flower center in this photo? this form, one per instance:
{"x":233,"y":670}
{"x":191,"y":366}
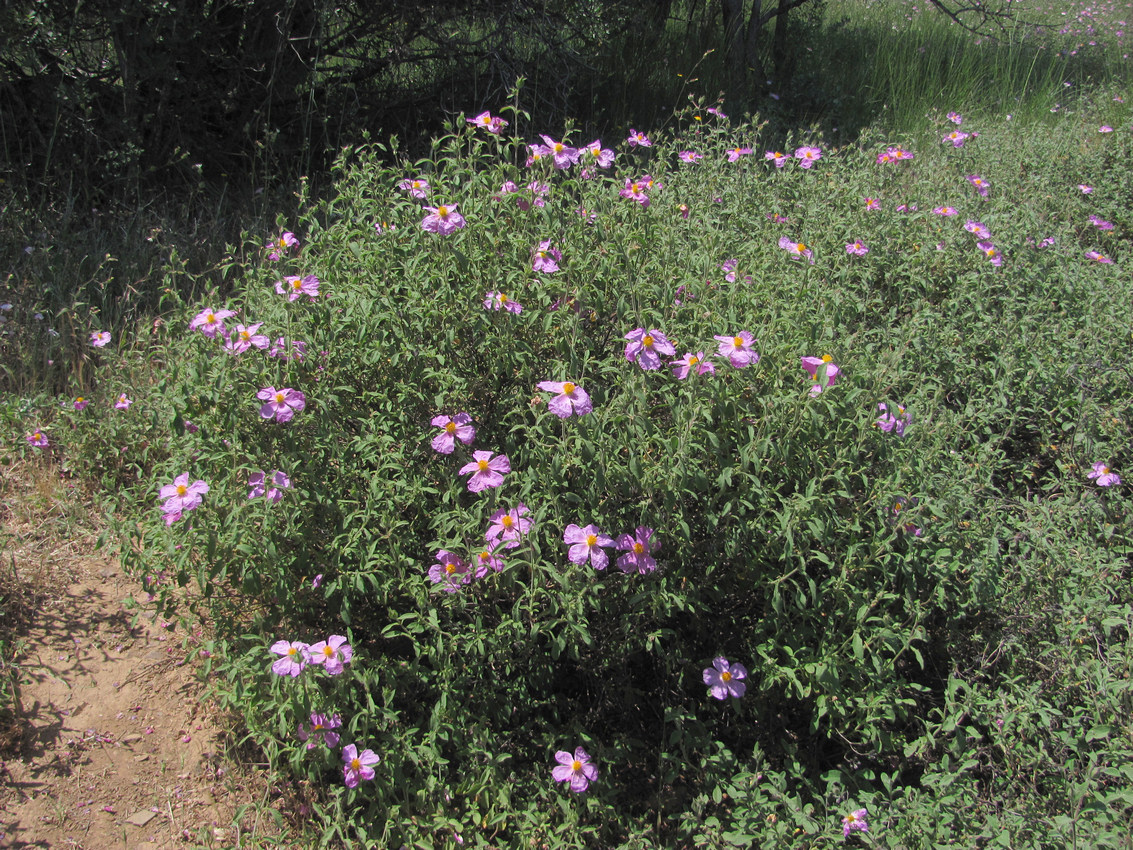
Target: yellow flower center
{"x":355,"y":764}
{"x":450,"y":568}
{"x":79,"y":400}
{"x":296,"y":284}
{"x":507,"y":521}
{"x":638,"y":548}
{"x":485,"y":556}
{"x":503,"y":298}
{"x":725,"y":676}
{"x":576,"y":765}
{"x":737,"y":341}
{"x":647,"y":341}
{"x":482,"y":464}
{"x":693,"y":360}
{"x":182,"y":489}
{"x":291,"y":650}
{"x":442,"y":211}
{"x":1105,"y":470}
{"x":279,"y":398}
{"x":897,"y":507}
{"x":568,"y":388}
{"x":826,"y":358}
{"x":801,"y":247}
{"x":591,"y":539}
{"x":596,"y":152}
{"x":245,"y":336}
{"x":316,"y":727}
{"x":451,"y":427}
{"x":851,"y":818}
{"x":558,"y":147}
{"x":328,"y":651}
{"x":211,"y":317}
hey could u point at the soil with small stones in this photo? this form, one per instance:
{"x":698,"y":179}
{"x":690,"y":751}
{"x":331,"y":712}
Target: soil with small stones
{"x":110,"y":743}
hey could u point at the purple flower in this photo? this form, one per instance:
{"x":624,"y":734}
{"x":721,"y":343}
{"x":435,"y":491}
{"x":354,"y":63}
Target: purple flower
{"x":210,"y":322}
{"x":808,"y":155}
{"x":725,"y":679}
{"x":453,"y":428}
{"x":691,"y":156}
{"x":822,"y":370}
{"x":946,"y":211}
{"x":897,"y":514}
{"x":797,"y":250}
{"x":418,"y":188}
{"x":1096,"y":221}
{"x":488,"y":559}
{"x":682,"y":367}
{"x":486,"y":471}
{"x":639,"y":548}
{"x":244,"y":338}
{"x":719,"y":113}
{"x":358,"y":766}
{"x":587,"y":544}
{"x":893,"y":154}
{"x":496,"y":300}
{"x":977,"y":229}
{"x":955,"y":118}
{"x":292,"y":659}
{"x":294,"y":287}
{"x":564,"y":155}
{"x":282,"y":404}
{"x":994,"y":255}
{"x":735,"y":153}
{"x":99,"y":338}
{"x":570,"y":398}
{"x":321,"y":724}
{"x":644,"y":348}
{"x":1101,"y":475}
{"x":492,"y":123}
{"x":957,"y":138}
{"x":442,"y":219}
{"x":508,"y":526}
{"x":635,"y":190}
{"x":729,"y":269}
{"x":1084,"y":189}
{"x":855,"y":821}
{"x":888,"y":422}
{"x":981,"y":185}
{"x":857,"y":248}
{"x":738,"y":349}
{"x":636,"y":138}
{"x":780,"y":159}
{"x":576,"y":769}
{"x":181,"y":496}
{"x":80,"y":403}
{"x":545,"y":258}
{"x":596,"y":154}
{"x":450,"y":571}
{"x":1098,"y":257}
{"x":1105,"y":128}
{"x":280,"y":246}
{"x":872,"y":204}
{"x":37,"y":439}
{"x":332,"y":653}
{"x":258,"y":482}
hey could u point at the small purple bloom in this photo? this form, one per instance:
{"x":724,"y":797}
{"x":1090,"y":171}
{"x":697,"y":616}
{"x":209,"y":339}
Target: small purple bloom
{"x":977,"y":229}
{"x":321,"y":724}
{"x":486,"y":471}
{"x":508,"y":526}
{"x":822,"y":370}
{"x":797,"y":250}
{"x":857,"y":248}
{"x":1100,"y":223}
{"x":37,"y":439}
{"x":644,"y":348}
{"x":725,"y":679}
{"x":587,"y":544}
{"x":892,"y":422}
{"x":596,"y":154}
{"x":294,"y":287}
{"x":332,"y":653}
{"x":358,"y":766}
{"x":453,"y":428}
{"x":855,"y":821}
{"x":280,"y":246}
{"x":639,"y":548}
{"x":282,"y":404}
{"x":292,"y":659}
{"x":690,"y":156}
{"x":99,"y":338}
{"x":570,"y":398}
{"x":80,"y":403}
{"x":735,"y":153}
{"x":780,"y":159}
{"x":499,"y":300}
{"x":418,"y":188}
{"x":442,"y":219}
{"x":243,"y":338}
{"x":636,"y":138}
{"x":1101,"y":475}
{"x":546,"y":259}
{"x":808,"y":155}
{"x":683,"y":367}
{"x":210,"y":322}
{"x":181,"y":496}
{"x":738,"y":349}
{"x":994,"y":255}
{"x":450,"y":571}
{"x":576,"y":769}
{"x":981,"y":185}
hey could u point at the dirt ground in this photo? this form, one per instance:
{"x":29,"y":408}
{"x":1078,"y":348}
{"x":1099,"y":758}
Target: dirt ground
{"x":110,"y":744}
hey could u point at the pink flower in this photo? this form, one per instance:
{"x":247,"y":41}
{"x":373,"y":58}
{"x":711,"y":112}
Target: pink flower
{"x":957,"y":138}
{"x":719,"y":113}
{"x":486,"y":471}
{"x":80,"y":403}
{"x":981,"y":185}
{"x":282,"y":404}
{"x":358,"y":766}
{"x":639,"y":548}
{"x":893,"y":154}
{"x":294,"y":287}
{"x":280,"y":246}
{"x":332,"y":653}
{"x":508,"y":527}
{"x":890,"y":423}
{"x":418,"y":188}
{"x":545,"y":258}
{"x":738,"y":349}
{"x":449,"y":571}
{"x":682,"y":367}
{"x":725,"y":679}
{"x":1085,"y":190}
{"x":487,"y":560}
{"x":453,"y":428}
{"x":808,"y":155}
{"x":955,"y":118}
{"x":691,"y":156}
{"x":492,"y":123}
{"x":1101,"y":223}
{"x":210,"y":322}
{"x":735,"y":153}
{"x":872,"y":204}
{"x":279,"y":349}
{"x":596,"y":154}
{"x":780,"y":159}
{"x":994,"y":255}
{"x":1101,"y":475}
{"x":564,"y":155}
{"x":181,"y":496}
{"x":123,"y":402}
{"x":496,"y":300}
{"x":977,"y":229}
{"x":576,"y":769}
{"x":587,"y":544}
{"x":684,"y":210}
{"x":99,"y":338}
{"x":1105,"y":128}
{"x":244,"y":338}
{"x":947,"y":212}
{"x":797,"y":250}
{"x":37,"y":439}
{"x":644,"y":348}
{"x":321,"y":724}
{"x":857,"y":248}
{"x":822,"y":370}
{"x":571,"y":399}
{"x":292,"y":659}
{"x":635,"y":190}
{"x":636,"y":138}
{"x":258,"y":482}
{"x":1097,"y":257}
{"x":442,"y":219}
{"x":855,"y":821}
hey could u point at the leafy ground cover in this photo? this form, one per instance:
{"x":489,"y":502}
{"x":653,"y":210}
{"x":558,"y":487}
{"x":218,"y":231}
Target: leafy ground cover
{"x":697,"y":488}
